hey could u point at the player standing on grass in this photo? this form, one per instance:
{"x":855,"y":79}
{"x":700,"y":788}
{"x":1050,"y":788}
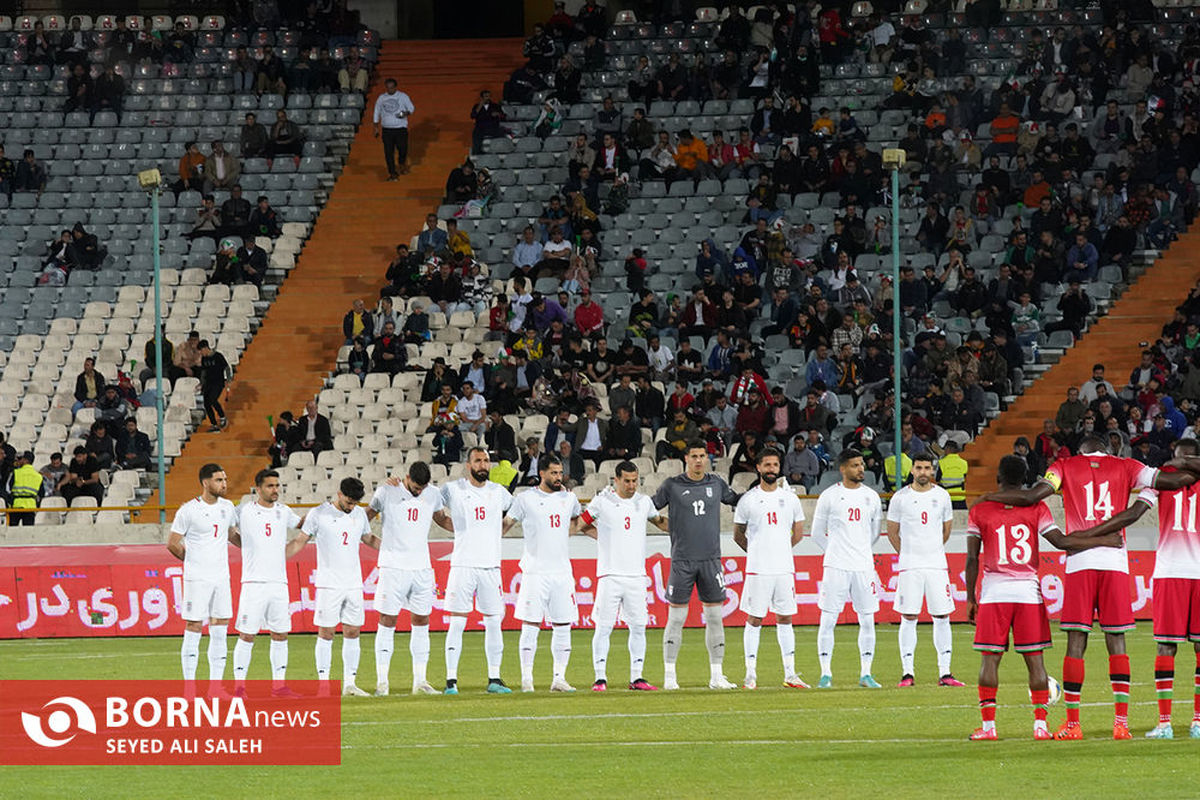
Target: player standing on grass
{"x":264,"y":603}
{"x":1176,"y":583}
{"x":846,"y":525}
{"x":695,"y":499}
{"x":919,"y":518}
{"x":767,"y":523}
{"x":617,"y":519}
{"x":1095,"y":487}
{"x":408,"y":506}
{"x":200,"y":535}
{"x":476,"y":506}
{"x":339,"y":527}
{"x":548,"y":515}
{"x":1011,"y":597}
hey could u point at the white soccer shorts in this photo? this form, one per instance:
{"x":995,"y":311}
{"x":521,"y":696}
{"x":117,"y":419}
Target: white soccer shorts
{"x":547,"y":597}
{"x":931,"y":585}
{"x":264,"y":606}
{"x":204,"y":600}
{"x":763,"y":593}
{"x":339,"y":605}
{"x":861,"y":587}
{"x":409,"y":589}
{"x":623,"y":593}
{"x":474,"y":583}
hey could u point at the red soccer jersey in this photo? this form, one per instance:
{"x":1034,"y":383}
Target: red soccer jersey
{"x":1178,"y":552}
{"x":1009,"y":538}
{"x":1094,"y":488}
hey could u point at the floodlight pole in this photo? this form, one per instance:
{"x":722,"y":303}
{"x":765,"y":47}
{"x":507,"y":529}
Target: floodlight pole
{"x":155,"y":191}
{"x":897,"y":348}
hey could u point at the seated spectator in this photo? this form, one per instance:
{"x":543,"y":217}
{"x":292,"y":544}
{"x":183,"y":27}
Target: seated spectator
{"x":82,"y":478}
{"x":252,"y":261}
{"x":745,"y":455}
{"x":99,"y":443}
{"x":462,"y":184}
{"x":624,"y":438}
{"x":30,"y":174}
{"x":53,"y":474}
{"x":354,"y":75}
{"x":358,"y":360}
{"x":457,"y":241}
{"x":208,"y":220}
{"x":112,"y":407}
{"x":191,"y":170}
{"x":489,"y":115}
{"x":358,"y":322}
{"x":253,"y":140}
{"x":80,"y":91}
{"x":221,"y":169}
{"x":416,"y":327}
{"x":286,"y":137}
{"x":446,"y":290}
{"x":432,"y":238}
{"x":264,"y":220}
{"x":109,"y":93}
{"x":556,"y":255}
{"x":270,"y":74}
{"x":133,"y":447}
{"x":691,"y":158}
{"x":89,"y":386}
{"x":311,"y":432}
{"x":801,"y":466}
{"x":245,"y":76}
{"x":235,"y":214}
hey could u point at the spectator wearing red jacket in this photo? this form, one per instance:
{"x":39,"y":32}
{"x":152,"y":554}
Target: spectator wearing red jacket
{"x":753,"y":415}
{"x":589,"y":316}
{"x":699,"y":316}
{"x":746,"y":382}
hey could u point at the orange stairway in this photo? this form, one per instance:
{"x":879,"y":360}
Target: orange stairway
{"x":351,"y":245}
{"x":1138,"y":316}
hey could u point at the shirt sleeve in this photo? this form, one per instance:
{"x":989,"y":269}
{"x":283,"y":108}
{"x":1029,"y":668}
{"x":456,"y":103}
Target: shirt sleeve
{"x":180,"y":523}
{"x":741,"y":512}
{"x":1149,"y":496}
{"x":661,"y":498}
{"x":293,"y":519}
{"x":435,"y":500}
{"x":376,"y":503}
{"x":576,"y":508}
{"x":516,"y":509}
{"x":1054,"y":476}
{"x":648,"y":508}
{"x":1143,"y":476}
{"x":893,"y":510}
{"x":1045,"y":520}
{"x":947,"y":508}
{"x":310,"y":522}
{"x":973,"y":524}
{"x":798,"y":514}
{"x":820,"y":524}
{"x":506,"y":500}
{"x":728,"y":496}
{"x":591,"y":514}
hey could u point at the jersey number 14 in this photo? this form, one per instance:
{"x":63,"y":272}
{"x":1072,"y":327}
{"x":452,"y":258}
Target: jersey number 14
{"x":1098,"y":500}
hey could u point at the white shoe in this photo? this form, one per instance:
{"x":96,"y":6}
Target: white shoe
{"x":670,"y":684}
{"x":527,"y":685}
{"x":424,"y":688}
{"x":721,"y":682}
{"x":561,"y":685}
{"x":381,"y":689}
{"x":350,"y":690}
{"x":751,"y":682}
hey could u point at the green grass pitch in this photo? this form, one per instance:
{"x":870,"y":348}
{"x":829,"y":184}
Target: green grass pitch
{"x":773,"y":742}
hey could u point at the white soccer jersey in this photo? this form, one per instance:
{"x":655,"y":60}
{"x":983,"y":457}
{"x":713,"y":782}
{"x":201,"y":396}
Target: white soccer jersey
{"x":477,"y":513}
{"x":620,"y":532}
{"x":921,"y":516}
{"x":846,"y":523}
{"x":205,"y":531}
{"x":406,"y":521}
{"x":545,"y":519}
{"x":338,"y":536}
{"x":264,"y":539}
{"x":769,"y":517}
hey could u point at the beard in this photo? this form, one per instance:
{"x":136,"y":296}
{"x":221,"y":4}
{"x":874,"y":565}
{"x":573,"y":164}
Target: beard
{"x":769,"y":478}
{"x":480,"y":475}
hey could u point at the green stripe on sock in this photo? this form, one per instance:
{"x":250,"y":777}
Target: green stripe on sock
{"x":1121,"y":697}
{"x":1165,"y":694}
{"x":1072,"y":705}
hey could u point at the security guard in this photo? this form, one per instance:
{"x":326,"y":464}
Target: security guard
{"x":25,"y":490}
{"x":952,"y":474}
{"x":889,"y":469}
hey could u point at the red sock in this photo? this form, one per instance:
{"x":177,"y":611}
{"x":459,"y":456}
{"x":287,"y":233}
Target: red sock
{"x":1118,"y":676}
{"x":1073,"y":672}
{"x":1164,"y":686}
{"x":1040,"y":699}
{"x":1196,"y":713}
{"x":987,"y":703}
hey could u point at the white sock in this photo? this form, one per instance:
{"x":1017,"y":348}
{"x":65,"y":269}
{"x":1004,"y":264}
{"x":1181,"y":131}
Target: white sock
{"x":351,"y":650}
{"x":323,"y":653}
{"x":637,"y":652}
{"x":527,"y":649}
{"x":825,"y":641}
{"x":908,"y":645}
{"x":786,"y":636}
{"x":241,"y":660}
{"x":866,"y":642}
{"x":714,"y":638}
{"x":750,"y":636}
{"x":418,"y":648}
{"x":673,"y":636}
{"x":560,"y":650}
{"x":454,"y":637}
{"x":943,"y":643}
{"x":385,"y":641}
{"x":600,"y":641}
{"x":218,"y":651}
{"x":493,"y":644}
{"x":189,"y":654}
{"x":989,"y":724}
{"x":279,"y":659}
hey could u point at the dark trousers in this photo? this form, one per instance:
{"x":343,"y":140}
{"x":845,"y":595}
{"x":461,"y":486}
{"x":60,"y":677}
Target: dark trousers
{"x":395,"y":147}
{"x":21,"y":517}
{"x":212,"y":405}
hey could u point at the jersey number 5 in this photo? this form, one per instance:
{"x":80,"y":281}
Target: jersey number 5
{"x":267,"y":527}
{"x":1020,"y":551}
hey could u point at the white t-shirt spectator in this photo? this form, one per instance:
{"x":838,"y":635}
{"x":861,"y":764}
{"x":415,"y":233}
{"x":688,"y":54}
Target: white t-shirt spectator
{"x":472,"y":408}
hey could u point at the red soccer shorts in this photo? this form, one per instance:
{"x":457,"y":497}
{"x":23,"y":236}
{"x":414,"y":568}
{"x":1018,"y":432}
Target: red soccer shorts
{"x":1176,"y":609}
{"x":1092,"y":593}
{"x":1029,"y":623}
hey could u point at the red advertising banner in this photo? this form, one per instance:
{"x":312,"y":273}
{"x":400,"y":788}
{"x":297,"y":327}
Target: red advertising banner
{"x":93,"y":593}
{"x":160,"y":722}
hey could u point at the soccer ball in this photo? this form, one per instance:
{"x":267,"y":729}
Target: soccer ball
{"x":1055,"y":690}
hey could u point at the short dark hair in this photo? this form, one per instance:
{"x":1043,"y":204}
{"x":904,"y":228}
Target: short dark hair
{"x":926,"y":457}
{"x":1187,"y":447}
{"x":625,"y":466}
{"x":1012,"y":470}
{"x":848,"y":455}
{"x":208,"y":470}
{"x":352,"y":488}
{"x":768,"y":452}
{"x":549,"y":460}
{"x":476,"y":449}
{"x":696,"y":445}
{"x":1092,"y":442}
{"x":261,"y":476}
{"x":418,"y":473}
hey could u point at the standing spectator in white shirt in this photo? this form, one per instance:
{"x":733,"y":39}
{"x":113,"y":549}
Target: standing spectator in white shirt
{"x":392,"y":110}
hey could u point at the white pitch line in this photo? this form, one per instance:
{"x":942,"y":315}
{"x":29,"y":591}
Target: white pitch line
{"x":690,"y":744}
{"x":667,"y":714}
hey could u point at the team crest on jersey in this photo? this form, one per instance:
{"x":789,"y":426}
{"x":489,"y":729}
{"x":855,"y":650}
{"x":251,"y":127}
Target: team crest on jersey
{"x":708,"y":491}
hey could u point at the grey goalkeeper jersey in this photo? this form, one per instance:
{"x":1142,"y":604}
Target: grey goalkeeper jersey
{"x":694,"y":513}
